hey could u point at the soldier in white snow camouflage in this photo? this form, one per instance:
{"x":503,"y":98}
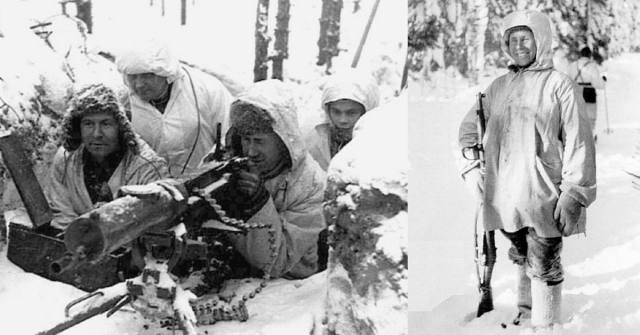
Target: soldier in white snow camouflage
{"x":540,"y":163}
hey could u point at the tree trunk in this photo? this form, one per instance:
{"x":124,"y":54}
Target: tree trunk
{"x":183,"y":12}
{"x":282,"y":39}
{"x":478,"y":19}
{"x":455,"y":51}
{"x":162,"y":7}
{"x":260,"y":67}
{"x":84,"y":13}
{"x":329,"y":32}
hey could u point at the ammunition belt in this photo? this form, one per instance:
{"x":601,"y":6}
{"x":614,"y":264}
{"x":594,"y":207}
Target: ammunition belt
{"x":211,"y":309}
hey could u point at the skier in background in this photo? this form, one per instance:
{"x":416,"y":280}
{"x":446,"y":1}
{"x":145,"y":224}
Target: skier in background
{"x":586,"y":72}
{"x":540,"y":170}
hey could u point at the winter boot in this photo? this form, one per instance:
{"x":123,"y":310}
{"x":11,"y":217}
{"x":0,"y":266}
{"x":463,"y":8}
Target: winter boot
{"x":523,"y":288}
{"x":545,"y":311}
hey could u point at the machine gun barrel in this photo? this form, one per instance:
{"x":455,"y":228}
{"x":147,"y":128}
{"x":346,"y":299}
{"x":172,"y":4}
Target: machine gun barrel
{"x":68,"y":261}
{"x":142,"y":208}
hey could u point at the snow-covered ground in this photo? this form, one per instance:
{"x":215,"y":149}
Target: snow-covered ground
{"x":601,"y":292}
{"x":218,"y":36}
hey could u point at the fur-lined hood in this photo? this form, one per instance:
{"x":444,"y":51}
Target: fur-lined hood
{"x":276,"y":98}
{"x":94,"y":99}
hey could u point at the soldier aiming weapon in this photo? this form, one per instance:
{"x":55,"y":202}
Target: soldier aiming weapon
{"x":485,"y":257}
{"x":143,"y":215}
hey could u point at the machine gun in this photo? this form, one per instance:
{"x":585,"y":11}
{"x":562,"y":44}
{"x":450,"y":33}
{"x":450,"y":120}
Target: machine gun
{"x":152,"y":208}
{"x":141,"y":216}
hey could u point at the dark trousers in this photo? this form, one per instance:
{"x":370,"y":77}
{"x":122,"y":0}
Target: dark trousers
{"x":541,"y":255}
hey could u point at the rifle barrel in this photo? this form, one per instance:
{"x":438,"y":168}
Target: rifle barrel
{"x":481,"y":129}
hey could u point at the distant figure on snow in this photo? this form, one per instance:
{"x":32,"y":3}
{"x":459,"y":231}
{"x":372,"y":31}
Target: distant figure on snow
{"x":586,"y":72}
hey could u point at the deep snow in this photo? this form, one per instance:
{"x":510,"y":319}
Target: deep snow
{"x":219,"y":36}
{"x":601,"y":292}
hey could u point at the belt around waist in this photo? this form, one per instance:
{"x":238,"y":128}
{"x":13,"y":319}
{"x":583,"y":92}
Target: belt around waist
{"x":584,"y":84}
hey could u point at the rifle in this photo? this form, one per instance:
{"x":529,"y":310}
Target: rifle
{"x":485,"y":257}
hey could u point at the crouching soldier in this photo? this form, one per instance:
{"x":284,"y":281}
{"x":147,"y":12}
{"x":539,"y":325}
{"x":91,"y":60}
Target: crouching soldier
{"x":283,"y":186}
{"x":346,"y":96}
{"x":99,"y":153}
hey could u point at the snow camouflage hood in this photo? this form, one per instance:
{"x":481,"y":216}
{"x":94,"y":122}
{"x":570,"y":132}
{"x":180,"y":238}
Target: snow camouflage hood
{"x":541,"y":28}
{"x":148,"y":56}
{"x":95,"y":99}
{"x":276,"y":98}
{"x":354,"y":85}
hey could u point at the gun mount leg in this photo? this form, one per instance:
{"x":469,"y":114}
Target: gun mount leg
{"x":86,"y":314}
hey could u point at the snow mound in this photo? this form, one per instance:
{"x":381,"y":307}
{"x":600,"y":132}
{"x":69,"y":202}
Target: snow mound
{"x":380,"y":144}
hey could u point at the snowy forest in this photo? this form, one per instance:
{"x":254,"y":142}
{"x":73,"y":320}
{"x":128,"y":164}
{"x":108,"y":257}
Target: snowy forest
{"x":463,"y":36}
{"x":50,"y":50}
{"x":455,"y":54}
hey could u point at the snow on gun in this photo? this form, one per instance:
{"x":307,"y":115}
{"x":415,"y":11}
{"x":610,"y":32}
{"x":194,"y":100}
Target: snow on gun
{"x":139,"y":209}
{"x":140,"y":212}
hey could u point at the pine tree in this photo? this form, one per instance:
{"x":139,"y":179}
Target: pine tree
{"x":260,"y":67}
{"x":84,"y":13}
{"x":282,"y":39}
{"x":329,"y":32}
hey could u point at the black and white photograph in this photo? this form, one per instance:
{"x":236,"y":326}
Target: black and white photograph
{"x":204,"y":167}
{"x":525,"y":159}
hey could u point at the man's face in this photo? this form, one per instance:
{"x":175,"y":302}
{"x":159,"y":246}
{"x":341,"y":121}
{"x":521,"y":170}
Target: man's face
{"x":99,"y":133}
{"x":264,"y":151}
{"x":522,"y":47}
{"x":344,"y":113}
{"x":148,"y":86}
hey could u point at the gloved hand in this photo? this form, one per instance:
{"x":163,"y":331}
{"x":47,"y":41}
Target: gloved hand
{"x":248,"y":183}
{"x":475,"y":183}
{"x":250,"y":193}
{"x":567,"y":213}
